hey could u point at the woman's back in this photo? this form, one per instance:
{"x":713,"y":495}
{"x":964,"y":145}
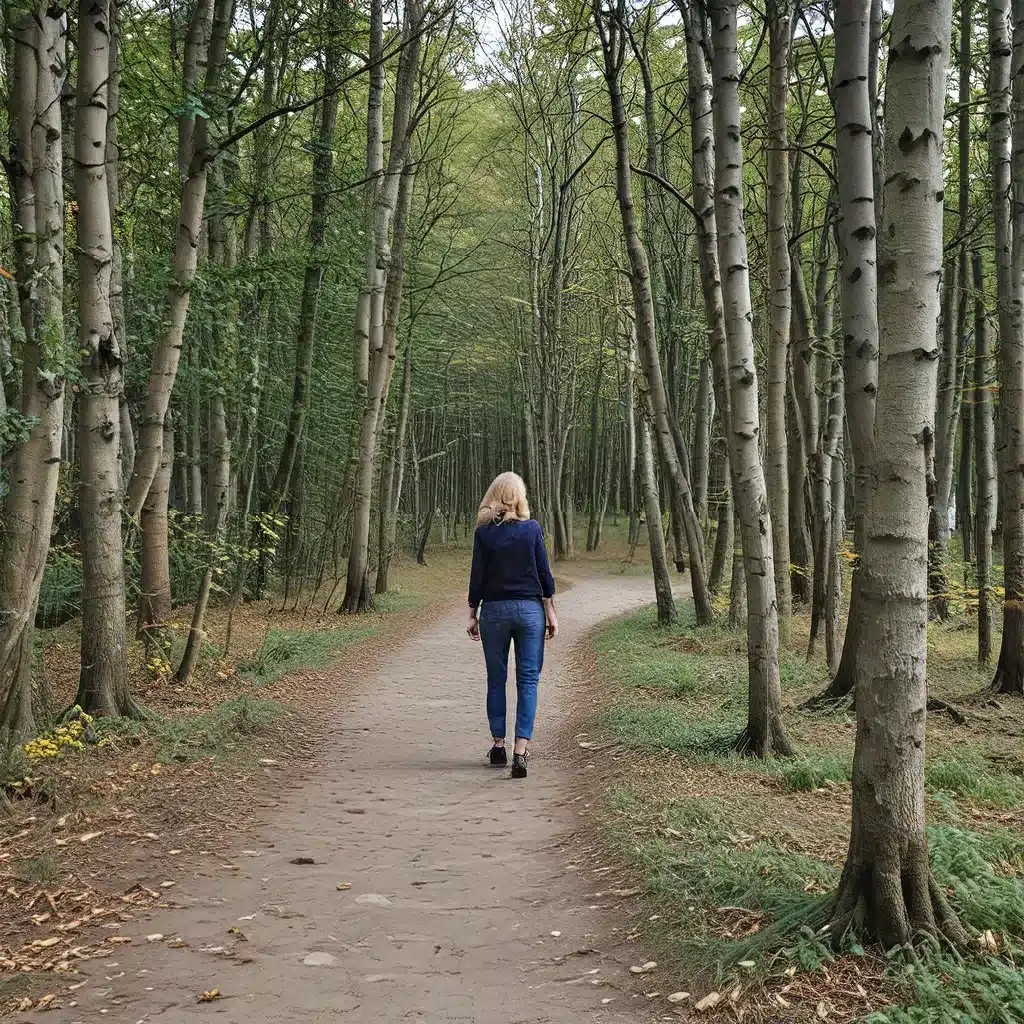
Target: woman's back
{"x":510,"y":563}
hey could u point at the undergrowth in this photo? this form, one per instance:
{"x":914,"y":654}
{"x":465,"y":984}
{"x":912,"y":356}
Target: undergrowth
{"x":739,"y":894}
{"x":285,"y":650}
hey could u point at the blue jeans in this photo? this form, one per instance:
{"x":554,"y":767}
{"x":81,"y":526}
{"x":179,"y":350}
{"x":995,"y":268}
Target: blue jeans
{"x":503,"y":623}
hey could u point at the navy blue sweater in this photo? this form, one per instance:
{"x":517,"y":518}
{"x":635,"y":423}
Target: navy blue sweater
{"x":510,"y":563}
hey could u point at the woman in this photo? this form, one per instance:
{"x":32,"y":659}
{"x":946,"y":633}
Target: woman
{"x":511,"y":601}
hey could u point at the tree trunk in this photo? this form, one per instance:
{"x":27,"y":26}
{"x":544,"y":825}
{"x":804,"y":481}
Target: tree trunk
{"x":103,"y":681}
{"x":887,"y":890}
{"x":613,"y":44}
{"x":765,"y":733}
{"x":780,"y":304}
{"x":218,"y":474}
{"x":393,"y":483}
{"x":724,"y":541}
{"x":984,"y":442}
{"x":316,"y":264}
{"x":358,"y":595}
{"x":33,"y":468}
{"x":857,"y":282}
{"x":1009,"y":674}
{"x":205,"y":48}
{"x":702,"y":443}
{"x":652,"y":509}
{"x":155,"y":582}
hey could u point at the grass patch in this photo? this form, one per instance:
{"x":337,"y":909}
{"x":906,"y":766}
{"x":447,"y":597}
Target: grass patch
{"x":41,"y":870}
{"x":656,"y":727}
{"x":740,"y":873}
{"x":814,"y":769}
{"x":970,"y":776}
{"x":218,"y":733}
{"x":286,"y":650}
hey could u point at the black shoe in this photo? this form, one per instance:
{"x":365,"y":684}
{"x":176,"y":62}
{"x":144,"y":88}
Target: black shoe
{"x":498,"y":757}
{"x":518,"y":766}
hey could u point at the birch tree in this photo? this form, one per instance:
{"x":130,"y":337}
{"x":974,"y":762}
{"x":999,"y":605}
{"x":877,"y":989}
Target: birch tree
{"x":780,"y":301}
{"x":887,"y":890}
{"x":103,"y":682}
{"x":610,"y":25}
{"x":1009,"y":673}
{"x":765,"y":733}
{"x":35,"y":172}
{"x":393,"y":191}
{"x":858,"y":283}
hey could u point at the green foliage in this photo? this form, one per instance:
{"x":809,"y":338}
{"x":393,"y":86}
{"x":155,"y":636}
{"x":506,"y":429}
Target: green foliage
{"x":61,"y":592}
{"x":656,"y":727}
{"x":968,"y":775}
{"x":979,"y":869}
{"x":286,"y":650}
{"x":217,"y":733}
{"x":949,"y":989}
{"x":814,"y":769}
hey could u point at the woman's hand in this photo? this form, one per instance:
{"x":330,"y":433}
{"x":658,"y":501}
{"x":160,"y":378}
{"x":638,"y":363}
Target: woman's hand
{"x":551,"y":628}
{"x":473,"y":629}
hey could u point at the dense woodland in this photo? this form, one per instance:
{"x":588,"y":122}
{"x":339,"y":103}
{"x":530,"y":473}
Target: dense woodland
{"x":286,"y":282}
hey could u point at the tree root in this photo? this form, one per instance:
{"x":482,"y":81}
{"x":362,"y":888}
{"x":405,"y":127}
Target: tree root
{"x":944,"y":708}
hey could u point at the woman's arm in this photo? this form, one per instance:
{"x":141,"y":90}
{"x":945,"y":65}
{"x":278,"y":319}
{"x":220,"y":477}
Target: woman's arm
{"x":547,"y":585}
{"x":476,"y":587}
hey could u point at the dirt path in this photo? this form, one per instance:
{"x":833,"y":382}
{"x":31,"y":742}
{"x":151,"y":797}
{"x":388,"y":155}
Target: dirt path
{"x":456,"y":879}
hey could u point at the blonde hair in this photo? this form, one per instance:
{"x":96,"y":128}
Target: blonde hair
{"x":505,"y":499}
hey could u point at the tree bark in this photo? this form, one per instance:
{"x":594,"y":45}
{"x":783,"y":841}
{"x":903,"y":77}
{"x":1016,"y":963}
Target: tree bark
{"x":652,"y":510}
{"x":887,"y":890}
{"x":613,"y":45}
{"x":205,"y":47}
{"x":858,"y":282}
{"x":393,"y":483}
{"x":103,"y":681}
{"x":984,"y":441}
{"x":155,"y":582}
{"x":316,"y":264}
{"x":780,"y":305}
{"x":1009,"y":674}
{"x":765,"y":733}
{"x":702,"y":443}
{"x":35,"y":173}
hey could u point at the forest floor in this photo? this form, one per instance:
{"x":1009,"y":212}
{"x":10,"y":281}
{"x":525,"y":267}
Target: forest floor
{"x":720,"y":848}
{"x":292,"y":847}
{"x":308,"y":829}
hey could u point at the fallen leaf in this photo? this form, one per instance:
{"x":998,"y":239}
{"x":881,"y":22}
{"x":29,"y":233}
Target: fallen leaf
{"x":303,"y":860}
{"x":645,"y":969}
{"x":46,"y":943}
{"x":344,"y":886}
{"x":238,"y":934}
{"x":374,"y":899}
{"x":625,"y":892}
{"x":709,"y":1002}
{"x":119,"y":940}
{"x":40,"y":918}
{"x":44,"y":1003}
{"x":747,"y":963}
{"x":822,"y":1011}
{"x":556,"y":935}
{"x":89,"y":837}
{"x":25,"y":1004}
{"x":209,"y":996}
{"x":319,"y":960}
{"x":678,"y":997}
